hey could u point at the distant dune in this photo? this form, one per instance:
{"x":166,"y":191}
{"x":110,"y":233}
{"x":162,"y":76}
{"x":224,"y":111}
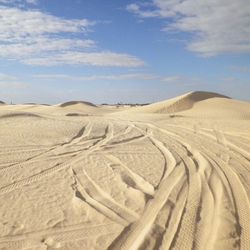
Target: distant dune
{"x":19,"y":114}
{"x":180,"y":103}
{"x":32,"y":103}
{"x":1,"y":103}
{"x":79,"y":107}
{"x":71,"y":103}
{"x":84,"y":108}
{"x":200,"y":104}
{"x":76,"y":114}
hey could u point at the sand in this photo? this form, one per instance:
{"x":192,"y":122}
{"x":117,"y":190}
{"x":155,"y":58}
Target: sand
{"x":170,"y":175}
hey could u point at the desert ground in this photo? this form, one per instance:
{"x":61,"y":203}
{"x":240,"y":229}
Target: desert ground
{"x":169,"y":175}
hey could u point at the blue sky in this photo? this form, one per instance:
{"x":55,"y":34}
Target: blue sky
{"x":53,"y":51}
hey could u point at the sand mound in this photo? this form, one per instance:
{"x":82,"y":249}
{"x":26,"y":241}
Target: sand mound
{"x":83,"y":108}
{"x":220,"y":108}
{"x":76,"y":114}
{"x":201,"y":105}
{"x":21,"y":114}
{"x":180,"y":103}
{"x":71,"y":103}
{"x":35,"y":104}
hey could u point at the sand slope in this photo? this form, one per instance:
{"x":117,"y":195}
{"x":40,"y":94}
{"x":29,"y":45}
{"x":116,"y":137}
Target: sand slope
{"x":126,"y":180}
{"x":200,"y":104}
{"x":83,"y":108}
{"x":77,"y":103}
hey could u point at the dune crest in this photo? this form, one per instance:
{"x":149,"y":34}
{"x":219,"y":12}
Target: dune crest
{"x":200,"y":104}
{"x":19,"y":114}
{"x":71,"y":103}
{"x":180,"y":103}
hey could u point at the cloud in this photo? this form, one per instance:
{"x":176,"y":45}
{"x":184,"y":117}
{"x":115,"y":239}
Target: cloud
{"x":18,"y":24}
{"x":135,"y":8}
{"x":242,"y":69}
{"x":9,"y":81}
{"x":217,"y":27}
{"x":104,"y":59}
{"x":32,"y":1}
{"x":4,"y":77}
{"x":37,"y":45}
{"x":119,"y":77}
{"x":172,"y":80}
{"x":184,"y":81}
{"x":14,"y":85}
{"x":36,"y":38}
{"x":11,"y":2}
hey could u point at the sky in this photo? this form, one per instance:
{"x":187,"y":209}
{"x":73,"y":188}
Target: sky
{"x":53,"y":51}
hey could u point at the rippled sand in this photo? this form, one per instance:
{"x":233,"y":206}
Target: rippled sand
{"x":171,"y":175}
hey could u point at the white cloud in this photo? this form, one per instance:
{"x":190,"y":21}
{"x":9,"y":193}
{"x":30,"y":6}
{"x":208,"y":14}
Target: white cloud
{"x":17,"y":24}
{"x":36,"y":38}
{"x":42,"y":44}
{"x":18,"y":1}
{"x":218,"y":27}
{"x":105,"y":59}
{"x":119,"y":77}
{"x":184,"y":81}
{"x":32,"y":1}
{"x":9,"y":81}
{"x":4,"y":77}
{"x":172,"y":79}
{"x":243,"y":69}
{"x":135,"y":8}
{"x":14,"y":85}
{"x":176,"y":80}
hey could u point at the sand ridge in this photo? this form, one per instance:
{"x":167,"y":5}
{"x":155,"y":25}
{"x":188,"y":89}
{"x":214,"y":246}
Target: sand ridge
{"x":72,"y":103}
{"x":135,"y":179}
{"x":199,"y":104}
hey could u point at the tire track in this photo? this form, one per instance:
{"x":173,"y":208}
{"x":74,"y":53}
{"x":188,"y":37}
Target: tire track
{"x":57,"y":235}
{"x":192,"y":236}
{"x":80,"y":135}
{"x":133,"y":236}
{"x":50,"y":171}
{"x":83,"y":195}
{"x":96,"y":193}
{"x":140,"y":183}
{"x":239,"y":195}
{"x":200,"y":180}
{"x":241,"y":200}
{"x":176,"y":216}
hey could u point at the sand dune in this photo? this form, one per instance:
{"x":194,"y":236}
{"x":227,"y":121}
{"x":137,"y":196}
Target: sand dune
{"x":137,"y":179}
{"x":200,"y":104}
{"x":1,"y":103}
{"x":219,"y":108}
{"x":79,"y":103}
{"x":82,"y":108}
{"x":18,"y":114}
{"x":180,"y":103}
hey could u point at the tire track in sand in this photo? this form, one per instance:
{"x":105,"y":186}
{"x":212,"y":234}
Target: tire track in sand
{"x":133,"y":235}
{"x":50,"y":171}
{"x":237,"y":190}
{"x":84,"y":131}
